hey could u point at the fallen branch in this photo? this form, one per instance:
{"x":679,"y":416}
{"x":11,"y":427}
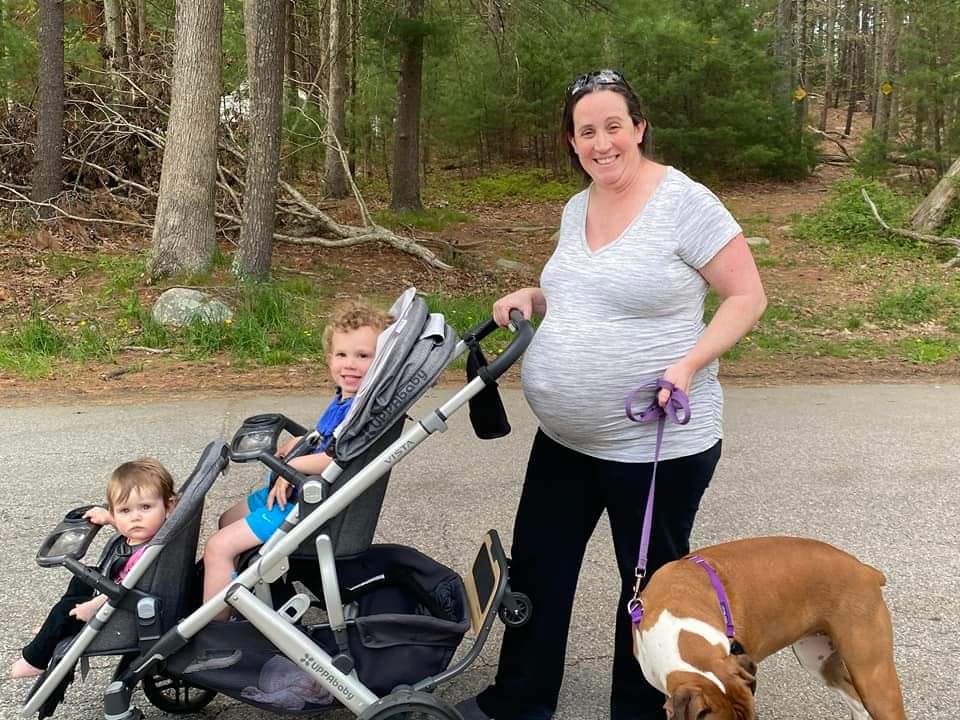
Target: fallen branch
{"x":821,"y":133}
{"x":22,"y":199}
{"x":142,"y":348}
{"x":522,"y":228}
{"x":912,"y":234}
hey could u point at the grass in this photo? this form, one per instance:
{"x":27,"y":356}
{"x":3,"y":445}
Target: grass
{"x":430,"y":219}
{"x":281,"y":322}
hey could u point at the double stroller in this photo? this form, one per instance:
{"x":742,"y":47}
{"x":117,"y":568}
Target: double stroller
{"x":322,"y":617}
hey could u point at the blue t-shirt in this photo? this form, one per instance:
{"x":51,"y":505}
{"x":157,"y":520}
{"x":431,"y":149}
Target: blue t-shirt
{"x":334,"y":414}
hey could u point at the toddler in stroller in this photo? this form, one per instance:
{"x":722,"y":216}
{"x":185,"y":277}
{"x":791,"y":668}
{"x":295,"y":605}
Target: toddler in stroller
{"x":393,"y":616}
{"x":350,"y":341}
{"x":139,"y":498}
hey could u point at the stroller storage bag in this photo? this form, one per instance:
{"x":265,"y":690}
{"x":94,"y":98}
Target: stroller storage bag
{"x":410,"y":614}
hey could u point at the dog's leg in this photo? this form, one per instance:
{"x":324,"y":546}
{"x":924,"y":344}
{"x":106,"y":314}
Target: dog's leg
{"x":868,"y":657}
{"x":817,"y":655}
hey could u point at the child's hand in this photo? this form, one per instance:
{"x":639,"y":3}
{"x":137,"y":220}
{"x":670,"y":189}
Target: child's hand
{"x":279,"y":493}
{"x":284,"y":449}
{"x":98,"y":516}
{"x":86,"y":610}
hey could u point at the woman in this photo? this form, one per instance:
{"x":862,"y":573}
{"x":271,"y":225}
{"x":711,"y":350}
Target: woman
{"x":622,"y":305}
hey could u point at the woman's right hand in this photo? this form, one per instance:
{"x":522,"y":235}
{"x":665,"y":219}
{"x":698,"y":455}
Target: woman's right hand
{"x":528,"y":301}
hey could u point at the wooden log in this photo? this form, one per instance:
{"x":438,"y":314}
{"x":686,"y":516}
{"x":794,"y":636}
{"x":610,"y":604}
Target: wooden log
{"x":930,"y":214}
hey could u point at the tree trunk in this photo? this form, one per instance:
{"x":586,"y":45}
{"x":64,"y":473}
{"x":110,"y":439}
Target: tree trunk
{"x":132,"y":24}
{"x":264,"y":21}
{"x":888,"y":59}
{"x":184,"y":230}
{"x":322,"y":78}
{"x":115,"y":39}
{"x":800,"y":69}
{"x":828,"y":59}
{"x":406,"y":149}
{"x":48,"y":156}
{"x":141,"y":23}
{"x":334,"y":171}
{"x":930,"y":214}
{"x":853,"y":50}
{"x":4,"y":91}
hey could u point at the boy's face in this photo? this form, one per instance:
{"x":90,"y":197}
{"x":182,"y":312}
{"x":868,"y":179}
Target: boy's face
{"x":351,"y":353}
{"x":140,"y":516}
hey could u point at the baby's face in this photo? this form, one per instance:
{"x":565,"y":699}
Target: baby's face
{"x":351,"y":353}
{"x":140,"y":516}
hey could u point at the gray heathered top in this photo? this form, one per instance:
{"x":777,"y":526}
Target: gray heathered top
{"x":618,"y":317}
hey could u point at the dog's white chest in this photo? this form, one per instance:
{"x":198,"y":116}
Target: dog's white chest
{"x":658,"y":648}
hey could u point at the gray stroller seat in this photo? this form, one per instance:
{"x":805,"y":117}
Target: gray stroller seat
{"x":165,"y":592}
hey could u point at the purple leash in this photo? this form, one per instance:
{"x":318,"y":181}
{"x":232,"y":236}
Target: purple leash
{"x":677,"y":401}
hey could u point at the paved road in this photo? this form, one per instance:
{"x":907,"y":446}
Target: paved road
{"x":872,"y":469}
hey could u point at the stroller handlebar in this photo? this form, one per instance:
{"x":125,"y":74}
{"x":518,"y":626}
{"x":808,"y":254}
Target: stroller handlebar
{"x":522,"y":335}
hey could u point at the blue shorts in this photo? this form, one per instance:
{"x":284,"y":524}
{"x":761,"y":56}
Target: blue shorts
{"x":260,"y":520}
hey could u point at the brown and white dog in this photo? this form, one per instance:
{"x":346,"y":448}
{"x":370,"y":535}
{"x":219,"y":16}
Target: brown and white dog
{"x":783,"y":591}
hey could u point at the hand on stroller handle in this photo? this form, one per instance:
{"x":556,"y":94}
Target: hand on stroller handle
{"x":522,"y":335}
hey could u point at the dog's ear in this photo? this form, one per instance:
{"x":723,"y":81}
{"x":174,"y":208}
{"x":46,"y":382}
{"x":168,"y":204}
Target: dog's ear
{"x":741,"y":684}
{"x":686,"y":703}
{"x":744,"y":668}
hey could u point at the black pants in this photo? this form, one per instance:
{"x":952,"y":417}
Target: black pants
{"x":58,"y":625}
{"x":564,"y":494}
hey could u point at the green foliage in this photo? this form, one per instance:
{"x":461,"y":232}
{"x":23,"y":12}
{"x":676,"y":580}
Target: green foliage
{"x":928,"y":350}
{"x":704,"y":71}
{"x":432,"y":219}
{"x":38,"y":336}
{"x":91,"y":341}
{"x":517,"y":185}
{"x":919,"y":304}
{"x":870,"y":159}
{"x":122,"y":272}
{"x":462,"y":312}
{"x":845,"y":219}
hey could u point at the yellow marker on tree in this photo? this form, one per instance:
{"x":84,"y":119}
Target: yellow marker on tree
{"x":886,"y":87}
{"x":799,"y":94}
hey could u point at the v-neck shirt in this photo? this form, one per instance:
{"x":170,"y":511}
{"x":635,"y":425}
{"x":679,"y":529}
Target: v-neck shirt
{"x":618,"y":316}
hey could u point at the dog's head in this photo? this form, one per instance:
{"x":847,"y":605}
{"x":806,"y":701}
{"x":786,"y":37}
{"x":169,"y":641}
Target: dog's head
{"x":698,"y":698}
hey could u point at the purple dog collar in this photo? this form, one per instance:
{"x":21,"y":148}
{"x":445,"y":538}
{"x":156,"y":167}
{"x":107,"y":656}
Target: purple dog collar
{"x":720,"y":591}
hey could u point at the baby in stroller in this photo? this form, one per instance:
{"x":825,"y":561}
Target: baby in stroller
{"x":350,"y":341}
{"x":139,"y":498}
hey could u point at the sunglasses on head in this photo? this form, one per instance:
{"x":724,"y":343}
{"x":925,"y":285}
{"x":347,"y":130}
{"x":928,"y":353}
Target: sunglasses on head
{"x":597,"y":77}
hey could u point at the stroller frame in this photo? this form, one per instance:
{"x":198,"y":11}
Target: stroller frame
{"x":249,"y":594}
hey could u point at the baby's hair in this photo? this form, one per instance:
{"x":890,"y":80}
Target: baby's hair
{"x":352,"y":315}
{"x":145,"y":474}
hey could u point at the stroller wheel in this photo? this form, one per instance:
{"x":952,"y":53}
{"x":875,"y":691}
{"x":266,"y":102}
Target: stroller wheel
{"x":176,"y":696}
{"x":516,"y":609}
{"x":407,"y":704}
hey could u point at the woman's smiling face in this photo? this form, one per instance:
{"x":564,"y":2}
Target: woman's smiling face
{"x":606,"y":141}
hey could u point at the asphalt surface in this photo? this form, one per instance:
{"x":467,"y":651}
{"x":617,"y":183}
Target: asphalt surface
{"x":872,"y":469}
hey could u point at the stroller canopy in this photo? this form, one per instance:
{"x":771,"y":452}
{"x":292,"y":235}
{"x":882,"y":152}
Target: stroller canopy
{"x":411,"y":353}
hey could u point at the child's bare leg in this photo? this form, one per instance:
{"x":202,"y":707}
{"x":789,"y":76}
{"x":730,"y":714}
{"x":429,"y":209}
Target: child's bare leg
{"x":219,"y":556}
{"x":22,"y":669}
{"x":235,"y":512}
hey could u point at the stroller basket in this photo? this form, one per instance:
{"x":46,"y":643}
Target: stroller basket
{"x":410,"y":614}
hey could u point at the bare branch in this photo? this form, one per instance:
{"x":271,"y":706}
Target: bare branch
{"x":913,"y":235}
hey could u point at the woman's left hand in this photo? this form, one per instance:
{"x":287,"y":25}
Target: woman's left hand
{"x":681,"y":375}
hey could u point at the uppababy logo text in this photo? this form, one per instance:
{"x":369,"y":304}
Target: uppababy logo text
{"x":310,"y":662}
{"x":402,"y":393}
